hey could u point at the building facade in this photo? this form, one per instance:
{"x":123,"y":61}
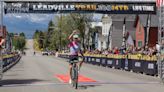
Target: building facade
{"x":103,"y":37}
{"x":8,"y":42}
{"x":141,"y":30}
{"x":110,"y":33}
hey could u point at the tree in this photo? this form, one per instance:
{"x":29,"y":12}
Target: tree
{"x":39,"y":38}
{"x":48,"y":35}
{"x":11,"y":35}
{"x":54,"y":40}
{"x":57,"y":33}
{"x":65,"y":24}
{"x":22,"y":34}
{"x":61,"y":31}
{"x":81,"y":22}
{"x":19,"y":42}
{"x":36,"y":34}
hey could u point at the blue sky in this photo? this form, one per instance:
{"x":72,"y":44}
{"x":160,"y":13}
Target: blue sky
{"x":28,"y":23}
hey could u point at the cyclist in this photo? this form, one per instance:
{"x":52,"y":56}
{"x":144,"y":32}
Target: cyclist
{"x":75,"y":49}
{"x":34,"y":52}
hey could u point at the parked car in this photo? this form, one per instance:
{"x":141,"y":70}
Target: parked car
{"x":51,"y":53}
{"x":45,"y":53}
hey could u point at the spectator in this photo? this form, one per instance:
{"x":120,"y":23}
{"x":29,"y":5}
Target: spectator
{"x":154,"y":51}
{"x":116,"y":50}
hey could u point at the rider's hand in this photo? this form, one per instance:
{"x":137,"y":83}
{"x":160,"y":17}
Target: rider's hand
{"x":74,"y":32}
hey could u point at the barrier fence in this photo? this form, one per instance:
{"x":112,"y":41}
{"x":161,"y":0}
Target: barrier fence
{"x":136,"y":63}
{"x":9,"y":61}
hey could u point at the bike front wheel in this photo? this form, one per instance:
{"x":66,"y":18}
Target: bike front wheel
{"x":74,"y":77}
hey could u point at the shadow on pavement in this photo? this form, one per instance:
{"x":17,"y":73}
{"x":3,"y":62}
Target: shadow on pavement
{"x":82,"y":87}
{"x":19,"y":81}
{"x":87,"y":85}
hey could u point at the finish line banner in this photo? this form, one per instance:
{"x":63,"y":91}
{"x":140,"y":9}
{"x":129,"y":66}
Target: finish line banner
{"x":81,"y":7}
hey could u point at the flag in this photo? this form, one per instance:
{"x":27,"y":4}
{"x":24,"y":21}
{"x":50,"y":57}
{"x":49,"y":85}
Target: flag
{"x":130,"y":41}
{"x":159,"y":3}
{"x":123,"y":32}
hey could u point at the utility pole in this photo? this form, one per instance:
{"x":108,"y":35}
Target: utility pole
{"x":60,"y":45}
{"x":124,"y":34}
{"x":110,"y":37}
{"x":109,"y":43}
{"x":148,"y":28}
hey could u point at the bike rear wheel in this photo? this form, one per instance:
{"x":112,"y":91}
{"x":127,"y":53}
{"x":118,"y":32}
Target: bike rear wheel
{"x":76,"y":83}
{"x":74,"y":76}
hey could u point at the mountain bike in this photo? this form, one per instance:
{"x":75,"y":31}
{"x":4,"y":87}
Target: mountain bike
{"x":75,"y":72}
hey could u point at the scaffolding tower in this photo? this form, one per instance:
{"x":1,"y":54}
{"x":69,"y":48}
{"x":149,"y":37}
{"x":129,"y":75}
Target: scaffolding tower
{"x":1,"y":27}
{"x":161,"y":42}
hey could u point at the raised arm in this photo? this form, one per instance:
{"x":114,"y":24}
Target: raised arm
{"x":70,"y":37}
{"x":2,"y":41}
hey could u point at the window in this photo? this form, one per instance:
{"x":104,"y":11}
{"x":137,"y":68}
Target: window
{"x":139,"y":43}
{"x":162,"y":34}
{"x":140,"y":28}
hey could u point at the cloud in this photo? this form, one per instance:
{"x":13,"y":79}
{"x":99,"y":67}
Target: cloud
{"x":35,"y":18}
{"x":26,"y":23}
{"x":40,"y":18}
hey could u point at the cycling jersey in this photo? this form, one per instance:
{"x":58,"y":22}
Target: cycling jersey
{"x":74,"y":48}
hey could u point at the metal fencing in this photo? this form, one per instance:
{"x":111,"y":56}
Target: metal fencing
{"x":9,"y":61}
{"x":136,"y":63}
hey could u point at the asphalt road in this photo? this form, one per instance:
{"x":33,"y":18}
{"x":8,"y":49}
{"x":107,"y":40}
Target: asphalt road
{"x":37,"y":74}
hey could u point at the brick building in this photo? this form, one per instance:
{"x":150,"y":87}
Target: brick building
{"x":3,"y":32}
